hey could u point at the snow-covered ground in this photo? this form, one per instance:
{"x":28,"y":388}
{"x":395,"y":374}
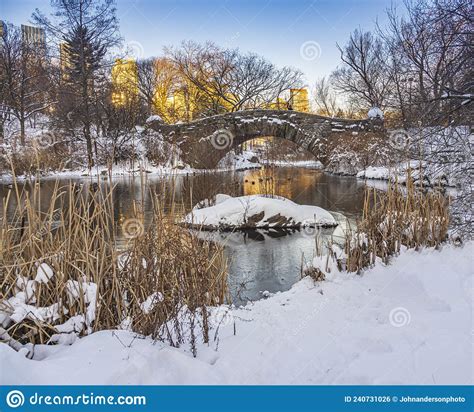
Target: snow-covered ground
{"x":258,"y":211}
{"x":40,"y":136}
{"x":420,"y":172}
{"x":103,"y":171}
{"x":246,"y":160}
{"x":255,"y":159}
{"x":310,"y":164}
{"x":375,"y":113}
{"x":406,"y":323}
{"x":446,"y":154}
{"x":380,"y":173}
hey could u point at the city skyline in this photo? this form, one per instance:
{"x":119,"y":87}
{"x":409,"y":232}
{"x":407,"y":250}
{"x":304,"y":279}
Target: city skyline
{"x":302,"y":34}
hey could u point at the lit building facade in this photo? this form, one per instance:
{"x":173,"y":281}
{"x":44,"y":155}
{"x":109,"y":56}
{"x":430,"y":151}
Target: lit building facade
{"x":299,"y":100}
{"x":3,"y":28}
{"x":124,"y":82}
{"x":65,"y":60}
{"x":279,"y":104}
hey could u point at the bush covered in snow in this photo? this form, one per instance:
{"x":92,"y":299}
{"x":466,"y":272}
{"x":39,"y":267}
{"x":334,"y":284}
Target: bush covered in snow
{"x":359,"y":153}
{"x":49,"y":149}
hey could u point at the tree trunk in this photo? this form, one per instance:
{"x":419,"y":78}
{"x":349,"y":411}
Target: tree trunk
{"x":22,"y":131}
{"x":87,"y":122}
{"x":87,"y":135}
{"x":2,"y":131}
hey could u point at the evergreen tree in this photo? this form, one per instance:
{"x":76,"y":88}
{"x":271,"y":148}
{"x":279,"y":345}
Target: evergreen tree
{"x":84,"y":54}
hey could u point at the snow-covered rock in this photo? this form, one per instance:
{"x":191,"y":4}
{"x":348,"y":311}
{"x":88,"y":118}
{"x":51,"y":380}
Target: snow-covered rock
{"x":154,"y":118}
{"x":375,"y":113}
{"x":221,"y":197}
{"x":258,"y":211}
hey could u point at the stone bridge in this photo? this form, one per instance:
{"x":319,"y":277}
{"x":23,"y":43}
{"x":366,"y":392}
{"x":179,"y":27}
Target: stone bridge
{"x":204,"y":142}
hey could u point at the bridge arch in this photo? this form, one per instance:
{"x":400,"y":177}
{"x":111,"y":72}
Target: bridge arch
{"x":204,"y":142}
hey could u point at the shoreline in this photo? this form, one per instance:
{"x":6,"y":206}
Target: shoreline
{"x":153,"y":171}
{"x":374,"y":174}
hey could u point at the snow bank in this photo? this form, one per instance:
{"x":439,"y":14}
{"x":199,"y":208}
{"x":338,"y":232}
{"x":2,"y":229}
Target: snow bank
{"x":120,"y":170}
{"x":408,"y":324}
{"x":258,"y":211}
{"x":309,"y":164}
{"x":44,"y":273}
{"x":248,"y":159}
{"x":375,"y":113}
{"x":420,"y":173}
{"x":375,"y":172}
{"x":154,"y":118}
{"x":256,"y":158}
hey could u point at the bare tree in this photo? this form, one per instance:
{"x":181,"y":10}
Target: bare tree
{"x":255,"y":82}
{"x":229,"y":80}
{"x":325,"y":98}
{"x":89,"y":29}
{"x":431,"y":57}
{"x":148,"y":74}
{"x":118,"y":122}
{"x":24,"y":73}
{"x":363,"y":74}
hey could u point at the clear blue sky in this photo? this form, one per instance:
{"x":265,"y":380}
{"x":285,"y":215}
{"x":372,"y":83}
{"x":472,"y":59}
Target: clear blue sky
{"x":276,"y":29}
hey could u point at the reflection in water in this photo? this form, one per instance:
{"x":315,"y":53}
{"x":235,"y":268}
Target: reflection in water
{"x":259,"y":261}
{"x":269,"y":260}
{"x":275,"y":181}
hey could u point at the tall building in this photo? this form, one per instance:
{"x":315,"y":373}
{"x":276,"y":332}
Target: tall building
{"x":176,"y":104}
{"x":279,"y":104}
{"x":124,"y":81}
{"x":3,"y":28}
{"x":64,"y":60}
{"x":299,"y":100}
{"x":33,"y":35}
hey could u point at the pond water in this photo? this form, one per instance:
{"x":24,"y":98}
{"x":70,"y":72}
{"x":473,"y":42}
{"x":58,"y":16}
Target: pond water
{"x":259,"y":261}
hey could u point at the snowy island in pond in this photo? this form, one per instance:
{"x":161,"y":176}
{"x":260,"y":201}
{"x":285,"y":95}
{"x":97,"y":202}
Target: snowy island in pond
{"x":256,"y":212}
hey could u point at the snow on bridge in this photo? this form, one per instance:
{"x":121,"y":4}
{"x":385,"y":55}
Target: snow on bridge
{"x":204,"y":142}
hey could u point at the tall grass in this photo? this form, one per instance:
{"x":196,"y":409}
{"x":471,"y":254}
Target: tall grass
{"x":159,"y":283}
{"x":402,"y":216}
{"x":399,"y":217}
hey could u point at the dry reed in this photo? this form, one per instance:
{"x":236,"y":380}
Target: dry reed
{"x":399,"y":217}
{"x":160,"y":284}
